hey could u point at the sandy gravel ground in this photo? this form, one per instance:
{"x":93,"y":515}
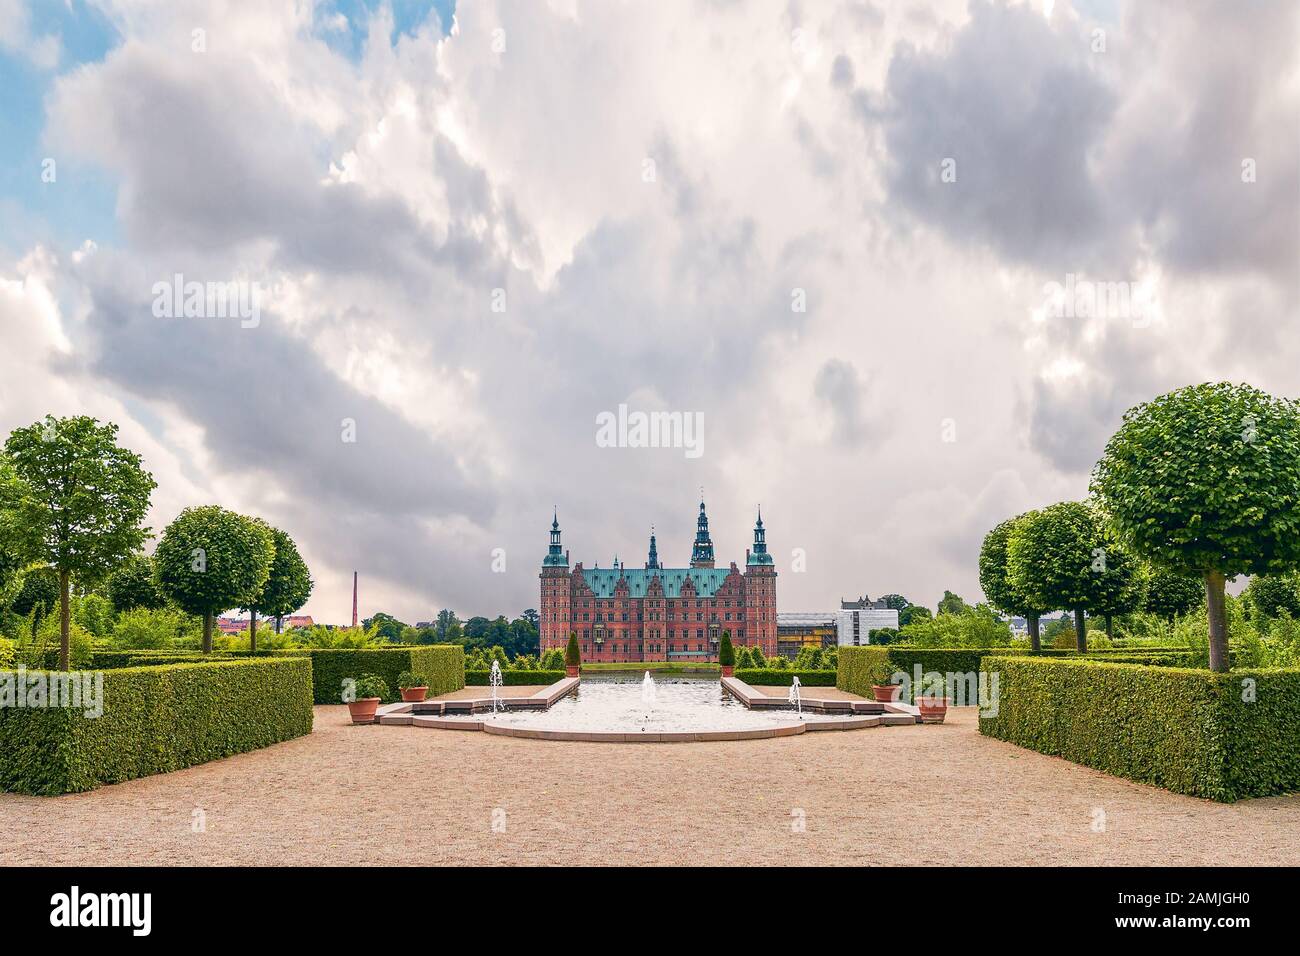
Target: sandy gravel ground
{"x":405,"y":795}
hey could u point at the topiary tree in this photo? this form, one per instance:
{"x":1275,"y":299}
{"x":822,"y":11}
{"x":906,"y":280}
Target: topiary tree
{"x":80,"y":498}
{"x":572,"y":656}
{"x":726,"y":653}
{"x":210,"y":559}
{"x":1121,"y":584}
{"x":756,"y":652}
{"x":1206,"y":480}
{"x":744,"y":658}
{"x":287,"y":587}
{"x":1268,"y":594}
{"x":1169,"y":594}
{"x":132,"y":585}
{"x":1061,"y":557}
{"x":993,"y":579}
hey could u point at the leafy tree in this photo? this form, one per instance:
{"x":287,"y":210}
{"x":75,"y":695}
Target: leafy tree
{"x":132,"y":585}
{"x":896,"y":602}
{"x":952,"y":604}
{"x":1061,"y":557}
{"x":1206,"y":480}
{"x":94,"y":613}
{"x":913,"y":614}
{"x":1170,"y":594}
{"x":37,"y":595}
{"x":289,"y":584}
{"x":445,"y":621}
{"x":1268,"y":594}
{"x":993,"y":578}
{"x":756,"y":652}
{"x":476,"y":631}
{"x":81,"y":499}
{"x":210,"y":559}
{"x":532,"y":617}
{"x":386,"y":626}
{"x":1120,"y":584}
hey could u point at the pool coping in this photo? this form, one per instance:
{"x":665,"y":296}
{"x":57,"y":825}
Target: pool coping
{"x":433,"y":714}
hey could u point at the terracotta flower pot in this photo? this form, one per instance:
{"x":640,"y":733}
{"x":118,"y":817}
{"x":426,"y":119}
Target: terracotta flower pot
{"x":413,"y":695}
{"x":363,"y":710}
{"x":932,"y":709}
{"x":728,"y":670}
{"x":571,"y":670}
{"x":886,"y":693}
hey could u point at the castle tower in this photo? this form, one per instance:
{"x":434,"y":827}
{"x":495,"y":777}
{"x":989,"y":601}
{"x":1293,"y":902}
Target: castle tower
{"x":652,"y":563}
{"x":556,"y":596}
{"x":760,"y":592}
{"x":702,"y":552}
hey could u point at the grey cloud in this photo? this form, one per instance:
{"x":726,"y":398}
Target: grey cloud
{"x":840,"y":388}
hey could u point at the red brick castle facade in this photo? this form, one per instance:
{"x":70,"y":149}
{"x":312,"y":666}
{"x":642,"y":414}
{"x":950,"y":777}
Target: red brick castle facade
{"x":655,"y":613}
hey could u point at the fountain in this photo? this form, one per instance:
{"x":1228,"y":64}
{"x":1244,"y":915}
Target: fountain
{"x":795,"y":697}
{"x":648,"y":689}
{"x":494,"y":678}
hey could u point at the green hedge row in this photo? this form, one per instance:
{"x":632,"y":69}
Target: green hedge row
{"x":767,"y":677}
{"x":443,"y":665}
{"x":1219,"y":736}
{"x":154,"y":720}
{"x":510,"y":678}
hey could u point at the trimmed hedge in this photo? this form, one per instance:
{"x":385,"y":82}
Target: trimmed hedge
{"x":154,"y":720}
{"x":442,"y":664}
{"x":1185,"y":730}
{"x":513,"y":678}
{"x":861,"y":667}
{"x":766,"y":676}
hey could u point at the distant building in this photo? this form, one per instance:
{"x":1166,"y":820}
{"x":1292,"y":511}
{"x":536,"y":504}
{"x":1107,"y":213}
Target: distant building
{"x":864,"y":603}
{"x":847,"y":626}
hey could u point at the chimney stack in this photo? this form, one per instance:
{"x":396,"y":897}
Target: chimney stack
{"x":354,"y":599}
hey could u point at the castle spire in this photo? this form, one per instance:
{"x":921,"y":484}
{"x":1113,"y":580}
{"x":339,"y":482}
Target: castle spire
{"x":653,"y":563}
{"x":555,"y":556}
{"x":702,"y":553}
{"x":758,"y":553}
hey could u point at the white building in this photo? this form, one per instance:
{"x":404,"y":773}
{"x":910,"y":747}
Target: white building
{"x":855,"y":626}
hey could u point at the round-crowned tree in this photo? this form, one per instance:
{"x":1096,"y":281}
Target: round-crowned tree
{"x":37,"y":596}
{"x":287,"y":586}
{"x":132,"y":585}
{"x":1269,"y":593}
{"x":210,"y":559}
{"x":1206,"y":480}
{"x":1169,"y":593}
{"x":995,"y":584}
{"x":80,"y":499}
{"x":1061,"y":557}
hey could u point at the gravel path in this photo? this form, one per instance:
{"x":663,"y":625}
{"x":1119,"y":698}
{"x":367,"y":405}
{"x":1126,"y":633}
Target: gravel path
{"x":917,"y":794}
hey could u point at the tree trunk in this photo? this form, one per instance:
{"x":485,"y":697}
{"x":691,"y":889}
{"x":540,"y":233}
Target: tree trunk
{"x":1218,"y":612}
{"x":1080,"y":632}
{"x":279,"y":623}
{"x":252,"y":631}
{"x":65,"y":662}
{"x":1110,"y":626}
{"x":1032,"y":621}
{"x":207,"y":632}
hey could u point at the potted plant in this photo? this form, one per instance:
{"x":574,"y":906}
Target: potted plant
{"x":414,"y":688}
{"x":367,"y":691}
{"x":931,"y":702}
{"x":727,"y":655}
{"x":881,"y":688}
{"x":572,"y":658}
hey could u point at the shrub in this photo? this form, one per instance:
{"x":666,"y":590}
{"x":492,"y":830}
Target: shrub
{"x":572,"y":656}
{"x":726,"y":653}
{"x":6,"y":653}
{"x":758,"y":676}
{"x":972,"y":628}
{"x":552,"y":660}
{"x":514,"y":678}
{"x":756,"y":654}
{"x":407,"y":679}
{"x":155,"y":719}
{"x":1189,"y":731}
{"x":882,"y":635}
{"x":742,"y":657}
{"x":142,"y":628}
{"x":370,"y":685}
{"x":442,"y":666}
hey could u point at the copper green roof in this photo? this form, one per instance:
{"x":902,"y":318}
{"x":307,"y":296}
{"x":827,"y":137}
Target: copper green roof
{"x":706,"y":580}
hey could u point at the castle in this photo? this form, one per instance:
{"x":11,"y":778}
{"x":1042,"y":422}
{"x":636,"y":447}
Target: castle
{"x":655,"y":613}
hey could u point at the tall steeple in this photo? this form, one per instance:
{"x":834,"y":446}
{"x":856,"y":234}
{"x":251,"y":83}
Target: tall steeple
{"x":702,"y":553}
{"x":555,"y":557}
{"x":758,"y":554}
{"x":653,"y":563}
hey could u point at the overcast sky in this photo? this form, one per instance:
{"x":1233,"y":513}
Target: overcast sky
{"x":839,"y":231}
